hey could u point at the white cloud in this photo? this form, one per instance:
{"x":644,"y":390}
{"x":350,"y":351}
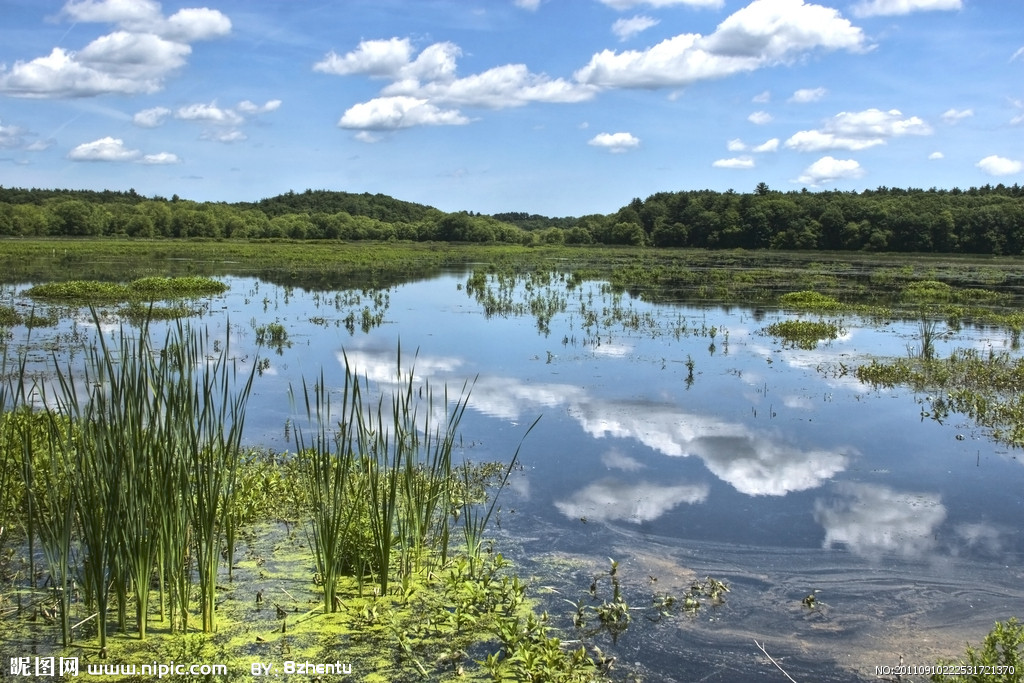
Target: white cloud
{"x":1016,"y":55}
{"x":817,"y":141}
{"x":511,"y":85}
{"x":858,"y":130}
{"x":530,"y":5}
{"x":736,"y":145}
{"x":767,"y":146}
{"x":390,"y":113}
{"x":762,"y":98}
{"x":251,"y":108}
{"x":936,"y":155}
{"x":161,"y":158}
{"x":191,"y":25}
{"x":372,"y":57}
{"x":615,"y":142}
{"x":210,"y":113}
{"x":805,"y":95}
{"x":104,"y":149}
{"x":828,"y":169}
{"x":151,"y":118}
{"x":997,"y":165}
{"x":735,"y":162}
{"x":870,"y":8}
{"x":1019,"y":118}
{"x":764,"y":33}
{"x":630,"y":4}
{"x":137,"y":58}
{"x":760,"y":118}
{"x":952,"y":116}
{"x":627,"y":28}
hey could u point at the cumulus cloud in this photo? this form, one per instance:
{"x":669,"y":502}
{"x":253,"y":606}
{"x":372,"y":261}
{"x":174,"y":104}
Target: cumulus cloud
{"x":805,"y":95}
{"x":767,"y":146}
{"x":871,"y":8}
{"x":161,"y":158}
{"x":151,"y":118}
{"x":425,"y":90}
{"x":828,"y":169}
{"x":764,"y":33}
{"x":936,"y":155}
{"x":372,"y":57}
{"x":208,"y":112}
{"x":615,"y":142}
{"x":997,"y":165}
{"x":222,"y":123}
{"x":391,"y":113}
{"x":137,"y":58}
{"x":627,"y":28}
{"x":735,"y":162}
{"x":858,"y":130}
{"x":104,"y":149}
{"x":760,"y":118}
{"x":952,"y":116}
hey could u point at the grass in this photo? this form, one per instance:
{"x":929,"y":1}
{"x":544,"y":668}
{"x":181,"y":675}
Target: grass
{"x":804,"y":334}
{"x":144,"y":289}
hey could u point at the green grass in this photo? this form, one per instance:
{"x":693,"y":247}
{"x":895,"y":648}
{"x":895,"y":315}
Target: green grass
{"x":804,"y":334}
{"x":144,"y":289}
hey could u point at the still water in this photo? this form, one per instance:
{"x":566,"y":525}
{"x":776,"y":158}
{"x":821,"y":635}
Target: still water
{"x":682,"y":442}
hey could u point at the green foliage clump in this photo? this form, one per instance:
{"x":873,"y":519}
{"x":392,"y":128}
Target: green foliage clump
{"x":9,"y":317}
{"x":810,"y":300}
{"x":1000,"y":659}
{"x":145,"y":289}
{"x":928,"y":290}
{"x":804,"y":334}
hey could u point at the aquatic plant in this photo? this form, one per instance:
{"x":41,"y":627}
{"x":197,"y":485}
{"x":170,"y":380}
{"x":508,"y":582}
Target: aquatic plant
{"x":804,"y":334}
{"x":1000,"y":657}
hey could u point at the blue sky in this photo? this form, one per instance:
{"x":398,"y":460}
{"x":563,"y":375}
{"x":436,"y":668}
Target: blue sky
{"x":557,"y":107}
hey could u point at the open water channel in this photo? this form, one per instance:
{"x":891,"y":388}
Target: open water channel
{"x":682,"y":442}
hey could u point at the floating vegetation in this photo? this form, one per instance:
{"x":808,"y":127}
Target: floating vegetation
{"x":810,"y":301}
{"x":986,"y":387}
{"x":805,"y":334}
{"x":144,"y":289}
{"x":138,"y":311}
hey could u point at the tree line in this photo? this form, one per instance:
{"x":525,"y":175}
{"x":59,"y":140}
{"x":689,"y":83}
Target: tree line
{"x":982,"y":220}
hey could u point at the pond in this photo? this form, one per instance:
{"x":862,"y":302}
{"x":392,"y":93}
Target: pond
{"x":680,"y":441}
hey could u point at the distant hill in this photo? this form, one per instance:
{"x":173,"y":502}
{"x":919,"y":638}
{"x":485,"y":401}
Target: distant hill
{"x":378,"y":206}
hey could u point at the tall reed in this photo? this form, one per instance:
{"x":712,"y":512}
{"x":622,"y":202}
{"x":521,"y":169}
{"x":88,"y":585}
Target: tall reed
{"x":327,"y":468}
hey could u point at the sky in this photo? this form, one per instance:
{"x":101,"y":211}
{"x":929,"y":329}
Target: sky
{"x":555,"y":107}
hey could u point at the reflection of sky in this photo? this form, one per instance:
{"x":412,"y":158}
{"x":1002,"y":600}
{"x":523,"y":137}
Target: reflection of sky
{"x":610,"y":500}
{"x":752,"y":462}
{"x":873,"y":520}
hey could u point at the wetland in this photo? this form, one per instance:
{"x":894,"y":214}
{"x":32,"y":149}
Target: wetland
{"x":672,"y":454}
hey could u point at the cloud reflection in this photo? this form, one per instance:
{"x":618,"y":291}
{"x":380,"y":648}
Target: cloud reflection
{"x":754,"y":463}
{"x":872,"y":520}
{"x":610,"y":500}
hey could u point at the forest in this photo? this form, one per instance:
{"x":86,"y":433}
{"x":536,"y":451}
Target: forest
{"x":978,"y":220}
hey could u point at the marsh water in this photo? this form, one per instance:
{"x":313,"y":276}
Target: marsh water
{"x":681,"y":441}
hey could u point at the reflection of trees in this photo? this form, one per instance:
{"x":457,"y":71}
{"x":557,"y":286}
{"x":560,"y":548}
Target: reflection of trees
{"x":872,"y":520}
